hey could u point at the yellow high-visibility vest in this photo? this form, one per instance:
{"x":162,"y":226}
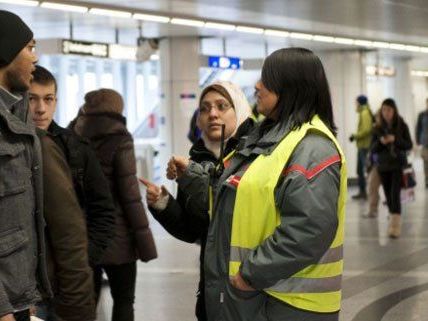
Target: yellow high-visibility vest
{"x":255,"y":217}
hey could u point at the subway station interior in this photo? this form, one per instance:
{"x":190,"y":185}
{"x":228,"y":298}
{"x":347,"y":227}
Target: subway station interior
{"x":160,"y":54}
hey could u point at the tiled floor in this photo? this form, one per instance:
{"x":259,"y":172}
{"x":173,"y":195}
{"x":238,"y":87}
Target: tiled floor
{"x":384,"y":279}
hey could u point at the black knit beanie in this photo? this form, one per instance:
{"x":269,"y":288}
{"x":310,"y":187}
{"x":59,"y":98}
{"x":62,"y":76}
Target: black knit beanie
{"x":14,"y":36}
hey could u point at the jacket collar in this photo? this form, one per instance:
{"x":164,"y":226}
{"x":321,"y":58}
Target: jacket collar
{"x":264,"y":138}
{"x":18,"y":122}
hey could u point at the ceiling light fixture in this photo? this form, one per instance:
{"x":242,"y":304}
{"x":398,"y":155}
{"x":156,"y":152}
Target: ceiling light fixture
{"x":363,"y":43}
{"x":320,"y":38}
{"x":64,"y":7}
{"x":29,"y":3}
{"x":380,"y":44}
{"x":246,"y":29}
{"x":302,"y":36}
{"x":110,"y":13}
{"x":413,"y":48}
{"x":187,"y":22}
{"x":220,"y":26}
{"x":397,"y":46}
{"x":149,"y":17}
{"x":277,"y":33}
{"x":344,"y":41}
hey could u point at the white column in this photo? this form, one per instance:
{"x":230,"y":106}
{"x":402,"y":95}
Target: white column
{"x":346,"y":75}
{"x":179,"y":87}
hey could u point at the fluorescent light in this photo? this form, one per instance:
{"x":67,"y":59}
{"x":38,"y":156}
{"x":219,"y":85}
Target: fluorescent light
{"x":249,"y":29}
{"x":220,"y":26}
{"x":344,"y":41}
{"x":424,"y":49}
{"x":303,"y":36}
{"x":122,"y":52}
{"x":149,"y":17}
{"x":110,"y":13}
{"x":30,"y":3}
{"x":323,"y":38}
{"x":65,"y":7}
{"x":419,"y":73}
{"x":277,"y":33}
{"x":187,"y":22}
{"x":363,"y":43}
{"x":154,"y":57}
{"x":397,"y":46}
{"x":380,"y":44}
{"x":413,"y":48}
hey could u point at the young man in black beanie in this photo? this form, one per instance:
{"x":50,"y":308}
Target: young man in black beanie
{"x":22,"y":249}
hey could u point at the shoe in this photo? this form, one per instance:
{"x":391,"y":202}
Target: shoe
{"x":360,"y":196}
{"x":370,"y":214}
{"x":394,"y":228}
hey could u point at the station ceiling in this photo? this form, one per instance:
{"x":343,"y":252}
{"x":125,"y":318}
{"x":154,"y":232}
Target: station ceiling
{"x":402,"y":21}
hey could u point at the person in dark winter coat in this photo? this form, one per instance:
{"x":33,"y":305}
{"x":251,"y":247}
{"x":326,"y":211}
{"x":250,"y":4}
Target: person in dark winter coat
{"x":391,"y":142}
{"x":100,"y":120}
{"x":90,"y":184}
{"x":67,"y":242}
{"x":220,"y":103}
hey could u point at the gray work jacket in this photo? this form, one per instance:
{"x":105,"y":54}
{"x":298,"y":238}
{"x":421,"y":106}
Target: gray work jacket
{"x":22,"y":247}
{"x":308,"y":210}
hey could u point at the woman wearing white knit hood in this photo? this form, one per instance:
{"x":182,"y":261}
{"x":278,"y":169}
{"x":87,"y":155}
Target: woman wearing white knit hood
{"x":221,"y":103}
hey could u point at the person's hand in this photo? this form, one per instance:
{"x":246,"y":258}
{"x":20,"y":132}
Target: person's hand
{"x":351,"y":138}
{"x":177,"y":165}
{"x":390,"y":138}
{"x":33,"y":310}
{"x":153,"y":193}
{"x":238,"y":282}
{"x":383,"y":140}
{"x":7,"y":317}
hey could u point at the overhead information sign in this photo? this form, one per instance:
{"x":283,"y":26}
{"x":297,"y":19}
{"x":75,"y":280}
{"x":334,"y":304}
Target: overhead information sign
{"x":85,"y":48}
{"x":223,"y":62}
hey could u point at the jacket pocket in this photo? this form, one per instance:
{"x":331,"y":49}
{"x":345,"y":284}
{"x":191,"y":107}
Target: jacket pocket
{"x":11,"y":240}
{"x":15,"y":174}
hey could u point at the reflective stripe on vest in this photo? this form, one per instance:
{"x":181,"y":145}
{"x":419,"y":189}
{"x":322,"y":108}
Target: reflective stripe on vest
{"x":317,"y":287}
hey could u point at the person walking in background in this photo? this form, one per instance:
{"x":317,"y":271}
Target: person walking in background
{"x":422,"y":139}
{"x":221,"y":103}
{"x":362,"y":138}
{"x":23,"y":273}
{"x":391,"y":142}
{"x":373,"y":179}
{"x":100,"y":120}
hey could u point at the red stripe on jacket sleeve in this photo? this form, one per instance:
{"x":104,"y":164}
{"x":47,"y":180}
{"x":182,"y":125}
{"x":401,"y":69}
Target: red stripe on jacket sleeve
{"x":309,"y":174}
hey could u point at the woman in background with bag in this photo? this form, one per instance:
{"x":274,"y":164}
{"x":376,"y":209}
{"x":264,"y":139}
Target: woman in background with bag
{"x":391,"y":142}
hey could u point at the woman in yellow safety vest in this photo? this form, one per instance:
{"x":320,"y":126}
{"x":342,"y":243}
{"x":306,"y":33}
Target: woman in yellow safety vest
{"x":275,"y":242}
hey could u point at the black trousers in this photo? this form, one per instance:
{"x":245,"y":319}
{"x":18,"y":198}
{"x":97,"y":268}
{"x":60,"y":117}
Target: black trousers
{"x":391,"y":183}
{"x":122,"y":279}
{"x":22,"y":315}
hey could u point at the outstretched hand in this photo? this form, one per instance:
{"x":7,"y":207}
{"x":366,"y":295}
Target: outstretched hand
{"x":177,"y":165}
{"x":154,"y":193}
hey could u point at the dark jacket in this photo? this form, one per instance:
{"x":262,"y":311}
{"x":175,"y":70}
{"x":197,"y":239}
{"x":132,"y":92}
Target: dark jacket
{"x":190,"y":224}
{"x":91,"y":187}
{"x":114,"y":147}
{"x":67,"y":240}
{"x":22,"y":245}
{"x":392,"y":156}
{"x":422,"y":129}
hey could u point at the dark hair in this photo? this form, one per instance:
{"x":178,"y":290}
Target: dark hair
{"x":297,"y":77}
{"x":218,"y":89}
{"x":44,"y":77}
{"x":396,"y":120}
